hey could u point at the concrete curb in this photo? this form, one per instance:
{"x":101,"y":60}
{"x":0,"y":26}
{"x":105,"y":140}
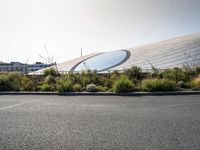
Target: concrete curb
{"x":104,"y":93}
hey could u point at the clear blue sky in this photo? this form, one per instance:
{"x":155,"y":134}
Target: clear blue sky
{"x":95,"y":25}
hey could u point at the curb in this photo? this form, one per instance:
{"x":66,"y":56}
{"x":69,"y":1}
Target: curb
{"x":105,"y":93}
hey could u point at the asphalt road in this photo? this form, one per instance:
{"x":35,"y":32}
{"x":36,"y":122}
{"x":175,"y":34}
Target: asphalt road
{"x":89,"y":122}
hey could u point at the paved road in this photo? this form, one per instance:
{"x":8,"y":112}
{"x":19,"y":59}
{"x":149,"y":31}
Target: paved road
{"x":61,"y":122}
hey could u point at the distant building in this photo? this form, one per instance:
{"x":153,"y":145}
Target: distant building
{"x":37,"y":66}
{"x":21,"y":67}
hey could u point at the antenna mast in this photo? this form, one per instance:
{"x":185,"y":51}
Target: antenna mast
{"x":81,"y":52}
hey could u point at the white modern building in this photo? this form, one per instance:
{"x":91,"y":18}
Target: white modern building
{"x":177,"y":52}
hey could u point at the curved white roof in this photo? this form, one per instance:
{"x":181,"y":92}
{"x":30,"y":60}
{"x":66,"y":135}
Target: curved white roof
{"x":171,"y":53}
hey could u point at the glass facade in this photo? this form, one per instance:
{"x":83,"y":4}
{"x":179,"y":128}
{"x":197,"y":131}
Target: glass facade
{"x":103,"y":61}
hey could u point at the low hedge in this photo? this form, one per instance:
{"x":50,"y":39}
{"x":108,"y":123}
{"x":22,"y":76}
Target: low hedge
{"x":123,"y":85}
{"x":150,"y":85}
{"x":175,"y":74}
{"x":10,"y":82}
{"x":64,"y":85}
{"x":27,"y":84}
{"x":77,"y":87}
{"x":45,"y":87}
{"x":195,"y":83}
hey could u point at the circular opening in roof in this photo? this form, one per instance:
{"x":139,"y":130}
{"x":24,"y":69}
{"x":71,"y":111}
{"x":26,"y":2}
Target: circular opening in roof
{"x":103,"y":61}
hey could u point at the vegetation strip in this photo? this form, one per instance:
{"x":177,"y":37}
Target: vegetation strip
{"x":132,"y":80}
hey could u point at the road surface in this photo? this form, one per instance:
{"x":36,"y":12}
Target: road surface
{"x":100,"y":122}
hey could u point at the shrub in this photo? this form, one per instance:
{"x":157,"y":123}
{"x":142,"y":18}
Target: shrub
{"x":26,"y":84}
{"x":102,"y":88}
{"x":15,"y":81}
{"x":175,"y":74}
{"x":36,"y":81}
{"x":10,"y":82}
{"x":91,"y":88}
{"x":72,"y":77}
{"x":158,"y":85}
{"x":197,"y":69}
{"x":94,"y":77}
{"x":84,"y":81}
{"x":4,"y":83}
{"x":50,"y":71}
{"x":155,"y":72}
{"x":64,"y":85}
{"x":45,"y":87}
{"x":190,"y":71}
{"x":50,"y":79}
{"x":77,"y":87}
{"x":111,"y":78}
{"x":123,"y":85}
{"x":48,"y":83}
{"x":135,"y":73}
{"x":195,"y":84}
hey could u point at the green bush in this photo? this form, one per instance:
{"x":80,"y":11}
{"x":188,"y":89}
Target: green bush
{"x":94,"y":77}
{"x":84,"y":79}
{"x":102,"y":88}
{"x":50,"y":79}
{"x":111,"y":78}
{"x":15,"y":81}
{"x":50,"y":71}
{"x":91,"y":88}
{"x":158,"y":85}
{"x":190,"y":71}
{"x":134,"y":73}
{"x":10,"y":82}
{"x":175,"y":74}
{"x":197,"y":69}
{"x":26,"y":84}
{"x":45,"y":87}
{"x":77,"y":87}
{"x":64,"y":85}
{"x":123,"y":85}
{"x":36,"y":81}
{"x":72,"y":77}
{"x":195,"y":83}
{"x":4,"y":83}
{"x":155,"y":72}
